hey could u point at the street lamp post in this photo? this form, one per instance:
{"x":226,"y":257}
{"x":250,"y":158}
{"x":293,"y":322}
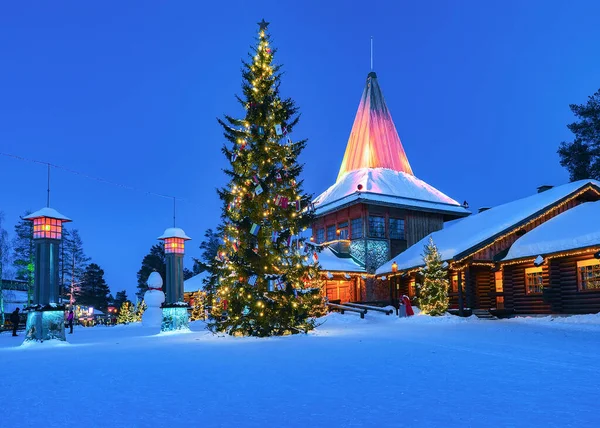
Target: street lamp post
{"x":45,"y":319}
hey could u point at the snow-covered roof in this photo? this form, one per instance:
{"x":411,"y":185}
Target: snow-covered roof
{"x":576,"y":228}
{"x":474,"y":230}
{"x":329,"y":261}
{"x":374,"y":141}
{"x":385,"y":186}
{"x":47,"y":212}
{"x":195,"y":283}
{"x":174,"y":232}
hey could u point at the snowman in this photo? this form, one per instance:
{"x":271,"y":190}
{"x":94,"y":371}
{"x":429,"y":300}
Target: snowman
{"x":154,"y":297}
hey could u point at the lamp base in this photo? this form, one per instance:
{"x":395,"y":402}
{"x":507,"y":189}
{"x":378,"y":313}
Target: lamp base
{"x":45,"y":325}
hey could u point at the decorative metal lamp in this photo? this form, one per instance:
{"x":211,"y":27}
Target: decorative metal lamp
{"x":47,"y":234}
{"x":45,"y":319}
{"x":394,"y":266}
{"x":174,"y":239}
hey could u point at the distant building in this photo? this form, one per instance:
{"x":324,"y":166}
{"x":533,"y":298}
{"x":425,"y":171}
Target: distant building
{"x":14,"y":295}
{"x":377,"y":207}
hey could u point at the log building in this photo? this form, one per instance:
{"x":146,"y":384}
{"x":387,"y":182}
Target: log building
{"x":485,"y":275}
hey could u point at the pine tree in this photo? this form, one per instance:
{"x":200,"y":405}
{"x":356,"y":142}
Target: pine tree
{"x":153,"y":261}
{"x":74,"y":260}
{"x":209,"y":247}
{"x":24,"y":254}
{"x":93,"y":290}
{"x":581,"y":157}
{"x":120,"y":298}
{"x":4,"y":262}
{"x":126,"y":313}
{"x":263,"y":274}
{"x":433,"y":294}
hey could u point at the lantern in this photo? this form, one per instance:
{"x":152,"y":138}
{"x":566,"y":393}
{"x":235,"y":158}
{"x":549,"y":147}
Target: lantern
{"x":174,"y":239}
{"x":47,"y":223}
{"x":394,"y":266}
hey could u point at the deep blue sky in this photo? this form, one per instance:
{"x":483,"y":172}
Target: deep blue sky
{"x":129,"y":91}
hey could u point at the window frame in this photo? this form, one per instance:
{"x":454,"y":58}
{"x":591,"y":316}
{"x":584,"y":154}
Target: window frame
{"x":529,"y":272}
{"x":372,"y":229}
{"x":403,"y":229}
{"x":595,"y":264}
{"x":356,"y":221}
{"x":328,"y":229}
{"x":320,"y":235}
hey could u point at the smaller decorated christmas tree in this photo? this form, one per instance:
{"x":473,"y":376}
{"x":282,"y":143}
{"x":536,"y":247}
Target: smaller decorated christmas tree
{"x":126,"y":313}
{"x":433,"y":296}
{"x":140,"y":307}
{"x":198,"y":306}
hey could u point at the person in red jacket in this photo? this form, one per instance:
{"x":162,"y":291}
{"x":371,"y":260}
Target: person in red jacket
{"x":407,"y":305}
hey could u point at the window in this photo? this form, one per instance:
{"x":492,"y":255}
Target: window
{"x":320,"y":236}
{"x":376,"y":227}
{"x":588,"y":275}
{"x":356,"y":228}
{"x":343,"y":228}
{"x":331,"y":233}
{"x":533,"y":280}
{"x":397,"y":228}
{"x":454,"y":282}
{"x":499,"y":289}
{"x":412,"y":289}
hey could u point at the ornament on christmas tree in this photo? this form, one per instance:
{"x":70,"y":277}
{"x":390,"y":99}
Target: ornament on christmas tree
{"x":315,"y":257}
{"x":274,"y":236}
{"x":261,"y":130}
{"x":258,"y":190}
{"x":252,"y":280}
{"x":254,"y":229}
{"x":234,"y":156}
{"x":246,"y":310}
{"x":278,"y":177}
{"x":278,"y":129}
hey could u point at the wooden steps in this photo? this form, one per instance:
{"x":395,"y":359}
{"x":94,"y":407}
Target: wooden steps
{"x":483,"y":314}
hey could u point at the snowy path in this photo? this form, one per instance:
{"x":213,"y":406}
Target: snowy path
{"x":380,"y":371}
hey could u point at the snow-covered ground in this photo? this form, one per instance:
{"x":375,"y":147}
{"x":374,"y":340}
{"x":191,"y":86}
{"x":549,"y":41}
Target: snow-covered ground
{"x":380,"y":371}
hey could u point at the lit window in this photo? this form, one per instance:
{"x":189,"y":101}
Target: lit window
{"x":412,"y":289}
{"x":356,"y":228}
{"x":376,"y":227}
{"x":397,"y":228}
{"x":588,"y":274}
{"x":331,"y":233}
{"x":534,"y":282}
{"x":499,"y":289}
{"x":454,"y":282}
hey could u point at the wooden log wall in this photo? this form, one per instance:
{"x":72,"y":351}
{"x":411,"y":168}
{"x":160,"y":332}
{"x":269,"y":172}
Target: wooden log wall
{"x":515,"y":295}
{"x":485,"y":288}
{"x":573,"y":301}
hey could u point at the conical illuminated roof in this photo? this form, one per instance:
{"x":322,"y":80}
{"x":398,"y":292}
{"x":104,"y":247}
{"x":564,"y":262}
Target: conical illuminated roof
{"x":374,"y":141}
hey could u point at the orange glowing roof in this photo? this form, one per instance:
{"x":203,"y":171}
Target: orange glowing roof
{"x":374,"y":141}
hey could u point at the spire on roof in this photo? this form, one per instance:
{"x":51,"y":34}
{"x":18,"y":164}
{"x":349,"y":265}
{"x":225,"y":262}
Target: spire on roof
{"x":374,"y":141}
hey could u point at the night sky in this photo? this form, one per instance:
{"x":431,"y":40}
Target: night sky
{"x":130,"y":92}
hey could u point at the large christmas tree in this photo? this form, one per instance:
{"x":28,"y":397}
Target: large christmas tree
{"x":433,"y":294}
{"x":263,"y":273}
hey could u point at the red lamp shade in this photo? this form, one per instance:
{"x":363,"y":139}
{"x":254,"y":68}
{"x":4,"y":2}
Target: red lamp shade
{"x":46,"y":227}
{"x":47,"y":223}
{"x":174,"y":245}
{"x":394,"y":266}
{"x":174,"y":239}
